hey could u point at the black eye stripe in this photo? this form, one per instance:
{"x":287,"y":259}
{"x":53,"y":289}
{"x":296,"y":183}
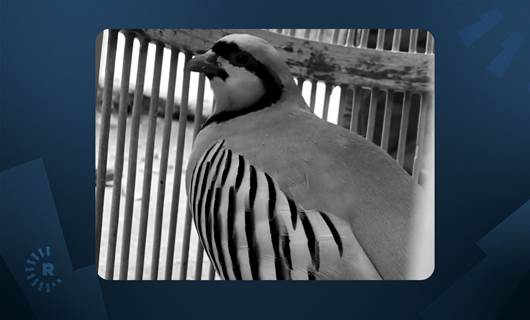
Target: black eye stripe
{"x":271,"y":82}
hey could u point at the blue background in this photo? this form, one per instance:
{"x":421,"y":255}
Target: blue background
{"x":47,"y":62}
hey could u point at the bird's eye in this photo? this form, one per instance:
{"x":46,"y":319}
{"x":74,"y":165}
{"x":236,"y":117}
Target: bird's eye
{"x":240,"y":59}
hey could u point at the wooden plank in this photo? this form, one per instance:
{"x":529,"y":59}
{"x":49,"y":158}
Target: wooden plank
{"x":118,"y":160}
{"x":148,"y":163}
{"x":132,"y":159}
{"x":322,"y":61}
{"x":103,"y":147}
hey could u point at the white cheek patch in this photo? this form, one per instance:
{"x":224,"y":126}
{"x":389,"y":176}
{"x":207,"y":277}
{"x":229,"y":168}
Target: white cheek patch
{"x":244,"y":86}
{"x":241,"y":89}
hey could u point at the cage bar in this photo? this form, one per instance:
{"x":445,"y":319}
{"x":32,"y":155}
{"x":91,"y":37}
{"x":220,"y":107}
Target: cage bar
{"x":396,"y":39}
{"x":327,"y":95}
{"x":197,"y":121}
{"x":380,"y":39}
{"x":132,"y":159}
{"x":403,"y":128}
{"x":365,"y":35}
{"x":387,"y":117}
{"x":118,"y":161}
{"x":371,"y":115}
{"x":106,"y":109}
{"x":345,"y":104}
{"x":350,"y":38}
{"x":312,"y":99}
{"x":425,"y":107}
{"x":175,"y":196}
{"x":300,"y":83}
{"x":166,"y":136}
{"x":413,"y":41}
{"x":429,"y":44}
{"x":354,"y":121}
{"x":148,"y":165}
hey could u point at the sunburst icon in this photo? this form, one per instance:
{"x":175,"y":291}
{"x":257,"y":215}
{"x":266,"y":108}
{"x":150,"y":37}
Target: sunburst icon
{"x":40,"y":270}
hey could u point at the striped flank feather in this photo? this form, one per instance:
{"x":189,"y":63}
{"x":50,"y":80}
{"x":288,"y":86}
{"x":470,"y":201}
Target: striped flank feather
{"x":251,"y":230}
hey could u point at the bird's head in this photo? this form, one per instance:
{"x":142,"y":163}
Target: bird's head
{"x":245,"y":72}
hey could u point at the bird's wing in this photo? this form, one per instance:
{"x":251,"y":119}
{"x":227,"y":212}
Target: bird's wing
{"x":326,"y":168}
{"x":252,"y":230}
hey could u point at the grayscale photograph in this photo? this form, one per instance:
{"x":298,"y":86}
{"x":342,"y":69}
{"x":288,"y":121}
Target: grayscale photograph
{"x":264,"y":154}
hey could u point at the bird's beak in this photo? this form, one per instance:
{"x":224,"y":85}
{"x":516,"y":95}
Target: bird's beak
{"x":205,"y":63}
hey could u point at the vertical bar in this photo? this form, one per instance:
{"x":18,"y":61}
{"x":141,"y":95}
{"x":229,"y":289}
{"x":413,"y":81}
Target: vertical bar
{"x":402,"y":142}
{"x":342,"y":35}
{"x":131,"y":159}
{"x":185,"y":245}
{"x":354,"y":121}
{"x":380,"y":39}
{"x":183,"y":115}
{"x":99,"y":42}
{"x":307,"y":34}
{"x":148,"y":165}
{"x":166,"y":136}
{"x":197,"y":124}
{"x":300,"y":83}
{"x":211,"y":272}
{"x":396,"y":39}
{"x":346,"y":99}
{"x":420,"y":137}
{"x":320,"y":34}
{"x":312,"y":99}
{"x":413,"y":41}
{"x":199,"y":106}
{"x":335,"y":36}
{"x":429,"y":45}
{"x":120,"y":149}
{"x":350,"y":38}
{"x":292,"y":32}
{"x":327,"y":95}
{"x":387,"y":118}
{"x":365,"y":34}
{"x":103,"y":147}
{"x":371,"y":114}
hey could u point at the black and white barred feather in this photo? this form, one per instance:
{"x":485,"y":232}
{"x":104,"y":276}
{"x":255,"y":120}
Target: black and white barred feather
{"x":251,"y":229}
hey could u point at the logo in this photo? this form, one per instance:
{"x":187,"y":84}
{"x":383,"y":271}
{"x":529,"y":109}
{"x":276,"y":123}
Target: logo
{"x":40,"y":270}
